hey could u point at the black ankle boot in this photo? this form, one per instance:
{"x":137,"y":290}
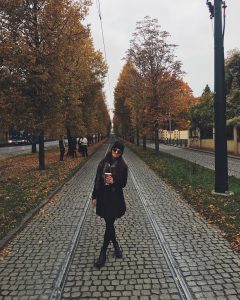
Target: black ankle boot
{"x":118,"y":252}
{"x":101,"y":259}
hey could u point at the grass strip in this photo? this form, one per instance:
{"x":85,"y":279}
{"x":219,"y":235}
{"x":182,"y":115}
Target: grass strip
{"x":195,"y":184}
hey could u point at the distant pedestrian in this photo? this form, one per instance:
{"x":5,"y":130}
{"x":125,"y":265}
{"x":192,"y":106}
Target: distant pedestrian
{"x":61,"y":147}
{"x":80,"y":150}
{"x":107,"y":196}
{"x":84,"y":145}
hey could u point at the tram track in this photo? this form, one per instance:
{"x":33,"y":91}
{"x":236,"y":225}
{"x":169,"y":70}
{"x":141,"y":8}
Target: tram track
{"x":172,"y":264}
{"x":59,"y":285}
{"x":60,"y":282}
{"x":61,"y":279}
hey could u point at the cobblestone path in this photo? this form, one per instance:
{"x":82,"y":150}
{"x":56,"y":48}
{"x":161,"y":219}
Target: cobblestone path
{"x":39,"y":253}
{"x":204,"y":159}
{"x":142,"y":272}
{"x":210,"y":268}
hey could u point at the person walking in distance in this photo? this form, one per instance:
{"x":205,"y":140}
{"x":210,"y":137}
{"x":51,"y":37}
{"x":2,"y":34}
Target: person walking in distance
{"x":107,"y":196}
{"x":84,"y":147}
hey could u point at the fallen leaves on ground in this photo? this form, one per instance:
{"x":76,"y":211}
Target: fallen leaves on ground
{"x":24,"y":186}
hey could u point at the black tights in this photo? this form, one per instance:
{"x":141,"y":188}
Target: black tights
{"x":109,"y":232}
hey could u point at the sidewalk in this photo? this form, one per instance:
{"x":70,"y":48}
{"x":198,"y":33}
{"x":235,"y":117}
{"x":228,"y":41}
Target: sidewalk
{"x":192,"y":149}
{"x":168,"y":251}
{"x":206,"y":151}
{"x":203,"y":158}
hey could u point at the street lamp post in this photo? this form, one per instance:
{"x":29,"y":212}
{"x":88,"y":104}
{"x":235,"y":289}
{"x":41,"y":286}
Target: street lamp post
{"x":221,"y":164}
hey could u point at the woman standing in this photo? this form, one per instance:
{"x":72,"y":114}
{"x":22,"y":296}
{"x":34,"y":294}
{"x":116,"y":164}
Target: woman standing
{"x":108,"y":196}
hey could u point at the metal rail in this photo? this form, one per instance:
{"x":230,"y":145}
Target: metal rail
{"x":62,"y":276}
{"x":172,"y":264}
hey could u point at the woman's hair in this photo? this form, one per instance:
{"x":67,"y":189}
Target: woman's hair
{"x":108,"y":157}
{"x":121,"y":163}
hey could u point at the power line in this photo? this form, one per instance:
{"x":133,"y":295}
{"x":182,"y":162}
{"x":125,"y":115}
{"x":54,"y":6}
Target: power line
{"x":104,"y":45}
{"x":100,"y":17}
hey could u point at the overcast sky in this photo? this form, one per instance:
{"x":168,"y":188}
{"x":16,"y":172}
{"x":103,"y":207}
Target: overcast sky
{"x":188,"y":23}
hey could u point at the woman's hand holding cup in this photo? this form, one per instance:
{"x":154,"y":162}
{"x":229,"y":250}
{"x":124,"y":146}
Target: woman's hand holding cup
{"x":108,"y":178}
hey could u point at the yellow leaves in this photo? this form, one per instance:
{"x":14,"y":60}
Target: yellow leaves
{"x":5,"y":251}
{"x":65,"y":63}
{"x":211,"y":206}
{"x":41,"y":211}
{"x":30,"y":186}
{"x":238,"y":238}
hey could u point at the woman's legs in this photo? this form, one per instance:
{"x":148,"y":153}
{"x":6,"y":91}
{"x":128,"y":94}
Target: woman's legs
{"x":110,"y":235}
{"x":109,"y":232}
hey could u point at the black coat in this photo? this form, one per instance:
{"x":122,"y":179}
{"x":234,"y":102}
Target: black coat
{"x":110,"y":198}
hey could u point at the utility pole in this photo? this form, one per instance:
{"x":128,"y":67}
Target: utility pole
{"x":221,"y":163}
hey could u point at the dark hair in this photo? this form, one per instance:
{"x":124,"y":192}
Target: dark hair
{"x":121,"y":163}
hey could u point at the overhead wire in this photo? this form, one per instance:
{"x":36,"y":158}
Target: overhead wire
{"x":103,"y":39}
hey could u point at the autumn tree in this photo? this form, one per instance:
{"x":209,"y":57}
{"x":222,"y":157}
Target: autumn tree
{"x":95,"y":70}
{"x":101,"y":121}
{"x":153,"y":57}
{"x":180,"y":105}
{"x":34,"y":31}
{"x":202,"y":113}
{"x":232,"y":77}
{"x":48,"y":67}
{"x":126,"y":100}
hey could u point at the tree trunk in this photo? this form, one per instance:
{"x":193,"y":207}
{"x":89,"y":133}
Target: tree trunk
{"x":132,"y":138}
{"x":156,"y":140}
{"x":144,"y":142}
{"x":34,"y":147}
{"x":6,"y":137}
{"x":70,"y":143}
{"x":34,"y":143}
{"x":138,"y":137}
{"x":41,"y":155}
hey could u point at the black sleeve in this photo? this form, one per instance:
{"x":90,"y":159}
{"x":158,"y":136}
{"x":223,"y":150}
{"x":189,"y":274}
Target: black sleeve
{"x":121,"y":179}
{"x":98,"y":181}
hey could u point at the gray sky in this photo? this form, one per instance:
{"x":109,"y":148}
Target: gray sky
{"x":188,"y":23}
